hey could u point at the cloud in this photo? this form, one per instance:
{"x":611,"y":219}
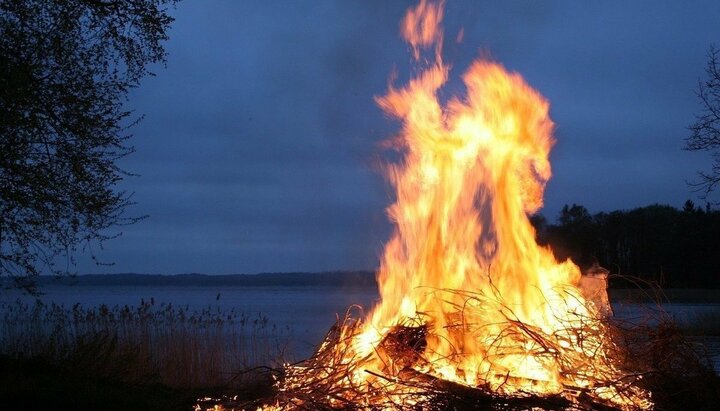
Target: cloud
{"x":257,"y":150}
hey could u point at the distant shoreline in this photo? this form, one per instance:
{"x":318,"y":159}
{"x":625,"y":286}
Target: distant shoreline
{"x":355,"y":279}
{"x":297,"y":279}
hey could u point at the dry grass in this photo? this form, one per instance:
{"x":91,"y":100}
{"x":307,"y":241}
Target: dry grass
{"x":677,"y":374}
{"x":327,"y":380}
{"x":681,"y":376}
{"x":175,"y":347}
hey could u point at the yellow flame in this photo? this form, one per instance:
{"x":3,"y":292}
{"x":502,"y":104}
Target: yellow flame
{"x":472,"y":172}
{"x":498,"y":311}
{"x":473,"y":169}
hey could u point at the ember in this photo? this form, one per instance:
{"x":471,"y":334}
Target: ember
{"x":473,"y":311}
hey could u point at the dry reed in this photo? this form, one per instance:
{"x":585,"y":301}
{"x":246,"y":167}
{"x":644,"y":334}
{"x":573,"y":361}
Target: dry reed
{"x":176,"y":347}
{"x":652,"y":354}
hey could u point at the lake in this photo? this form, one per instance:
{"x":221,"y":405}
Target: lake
{"x":308,"y":312}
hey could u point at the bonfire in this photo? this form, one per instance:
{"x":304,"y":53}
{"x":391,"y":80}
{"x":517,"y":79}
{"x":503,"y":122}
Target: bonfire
{"x":472,"y":312}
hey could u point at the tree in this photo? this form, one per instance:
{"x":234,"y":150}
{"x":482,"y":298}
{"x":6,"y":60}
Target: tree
{"x":575,"y":235}
{"x":705,"y":131}
{"x":66,"y":67}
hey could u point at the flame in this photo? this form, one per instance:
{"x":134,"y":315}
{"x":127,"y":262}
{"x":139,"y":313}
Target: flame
{"x":480,"y":303}
{"x":472,"y":172}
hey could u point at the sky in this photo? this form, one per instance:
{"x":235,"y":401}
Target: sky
{"x":260,"y":143}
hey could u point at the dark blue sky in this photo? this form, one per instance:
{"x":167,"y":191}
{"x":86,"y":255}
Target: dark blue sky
{"x":259,"y":148}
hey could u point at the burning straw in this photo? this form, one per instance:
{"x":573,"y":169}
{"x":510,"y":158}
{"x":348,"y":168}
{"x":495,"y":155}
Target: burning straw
{"x":653,"y":353}
{"x":473,"y":313}
{"x":407,"y":380}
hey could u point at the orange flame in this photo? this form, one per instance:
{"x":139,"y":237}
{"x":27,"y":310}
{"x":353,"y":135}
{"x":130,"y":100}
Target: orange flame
{"x":497,"y":311}
{"x":463,"y":257}
{"x":421,"y":27}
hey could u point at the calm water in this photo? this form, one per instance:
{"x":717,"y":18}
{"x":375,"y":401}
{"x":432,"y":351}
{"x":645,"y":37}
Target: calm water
{"x":308,"y":312}
{"x":682,"y":314}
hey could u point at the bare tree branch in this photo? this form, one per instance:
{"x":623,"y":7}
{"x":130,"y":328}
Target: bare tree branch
{"x":705,"y":131}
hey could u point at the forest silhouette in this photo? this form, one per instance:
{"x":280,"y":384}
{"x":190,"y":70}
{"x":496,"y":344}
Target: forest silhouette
{"x":658,"y":244}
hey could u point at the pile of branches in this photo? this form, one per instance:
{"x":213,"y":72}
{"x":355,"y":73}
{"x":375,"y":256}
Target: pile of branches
{"x":325,"y":381}
{"x":661,"y":360}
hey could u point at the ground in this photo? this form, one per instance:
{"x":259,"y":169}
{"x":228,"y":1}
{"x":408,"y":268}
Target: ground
{"x":35,"y":384}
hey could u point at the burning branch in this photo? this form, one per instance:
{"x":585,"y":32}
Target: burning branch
{"x":406,"y":379}
{"x":473,"y":311}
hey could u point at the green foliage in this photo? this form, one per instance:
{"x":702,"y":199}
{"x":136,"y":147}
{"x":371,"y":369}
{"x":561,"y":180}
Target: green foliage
{"x":66,"y":67}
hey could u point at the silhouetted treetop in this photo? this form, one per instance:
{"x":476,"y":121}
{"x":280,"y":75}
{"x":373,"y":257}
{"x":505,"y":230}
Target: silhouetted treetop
{"x":66,"y":67}
{"x":659,"y":243}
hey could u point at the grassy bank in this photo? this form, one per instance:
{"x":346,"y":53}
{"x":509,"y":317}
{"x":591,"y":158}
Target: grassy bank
{"x":144,"y":357}
{"x":161,"y":357}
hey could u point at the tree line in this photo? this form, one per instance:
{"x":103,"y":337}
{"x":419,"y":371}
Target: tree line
{"x":657,"y":243}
